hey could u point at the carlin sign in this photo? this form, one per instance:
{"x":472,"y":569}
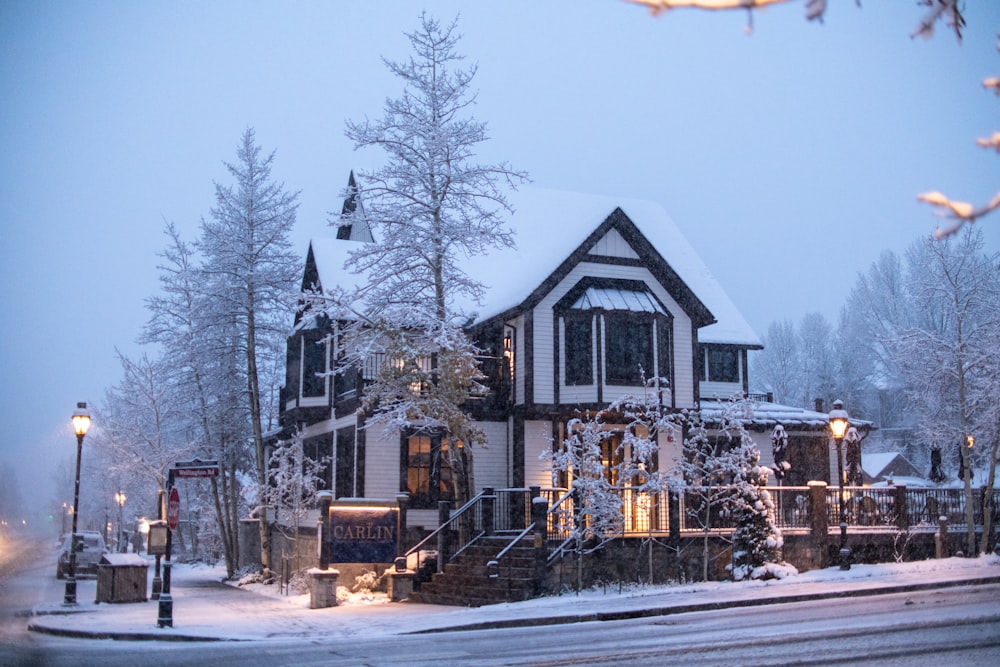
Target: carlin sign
{"x":363,"y":534}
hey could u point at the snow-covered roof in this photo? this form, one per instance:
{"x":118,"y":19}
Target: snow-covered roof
{"x":762,"y":413}
{"x":330,"y":255}
{"x":875,"y":462}
{"x":617,"y":299}
{"x":548,"y":226}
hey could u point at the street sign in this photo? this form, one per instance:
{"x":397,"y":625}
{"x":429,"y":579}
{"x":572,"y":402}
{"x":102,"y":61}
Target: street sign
{"x":173,"y":508}
{"x":206,"y":471}
{"x":196,"y":468}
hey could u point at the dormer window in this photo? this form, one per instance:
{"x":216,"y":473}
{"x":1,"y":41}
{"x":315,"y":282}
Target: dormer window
{"x":615,"y":329}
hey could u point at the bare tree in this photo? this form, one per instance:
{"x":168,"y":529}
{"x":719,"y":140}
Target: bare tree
{"x":777,"y":367}
{"x":209,"y":378}
{"x":430,"y":209}
{"x":250,"y":272}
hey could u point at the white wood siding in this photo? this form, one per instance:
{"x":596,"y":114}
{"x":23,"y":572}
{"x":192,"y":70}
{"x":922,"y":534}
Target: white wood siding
{"x":492,"y":462}
{"x":720,"y":390}
{"x":381,"y":463}
{"x":537,"y":440}
{"x":613,"y":245}
{"x":544,"y":328}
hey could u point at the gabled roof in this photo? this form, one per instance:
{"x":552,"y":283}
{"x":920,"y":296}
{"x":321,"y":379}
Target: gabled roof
{"x":550,"y":225}
{"x":552,"y":231}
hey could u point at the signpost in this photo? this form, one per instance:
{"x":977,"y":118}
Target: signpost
{"x":195,"y":469}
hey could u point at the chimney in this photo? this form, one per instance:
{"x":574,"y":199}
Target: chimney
{"x":819,"y":405}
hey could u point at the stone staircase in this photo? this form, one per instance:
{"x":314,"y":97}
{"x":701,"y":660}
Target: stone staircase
{"x":465,"y":580}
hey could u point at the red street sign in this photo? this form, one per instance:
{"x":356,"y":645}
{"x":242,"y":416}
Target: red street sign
{"x":173,"y":508}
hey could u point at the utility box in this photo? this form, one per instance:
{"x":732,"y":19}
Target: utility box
{"x":122,"y":578}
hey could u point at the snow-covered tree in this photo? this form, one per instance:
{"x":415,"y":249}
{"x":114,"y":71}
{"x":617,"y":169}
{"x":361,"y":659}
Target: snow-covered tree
{"x":140,"y":431}
{"x":776,"y":368}
{"x":209,"y":378}
{"x":431,"y":209}
{"x":949,"y":358}
{"x":249,"y":275}
{"x":293,"y":479}
{"x":607,"y":455}
{"x":757,"y":541}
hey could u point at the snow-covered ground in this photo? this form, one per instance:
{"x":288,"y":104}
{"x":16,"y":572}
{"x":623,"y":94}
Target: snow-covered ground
{"x":203,"y":607}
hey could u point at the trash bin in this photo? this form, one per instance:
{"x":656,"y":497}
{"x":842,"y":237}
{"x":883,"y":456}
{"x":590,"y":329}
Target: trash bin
{"x":122,"y":578}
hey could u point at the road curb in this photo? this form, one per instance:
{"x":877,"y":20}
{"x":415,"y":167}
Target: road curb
{"x":121,"y":636}
{"x":708,"y":606}
{"x":647,"y":612}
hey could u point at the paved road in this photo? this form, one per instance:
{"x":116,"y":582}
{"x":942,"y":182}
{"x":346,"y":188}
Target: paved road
{"x":955,"y":625}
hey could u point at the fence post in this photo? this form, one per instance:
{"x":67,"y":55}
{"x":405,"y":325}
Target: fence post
{"x":674,"y":516}
{"x":902,"y":510}
{"x":489,"y":500}
{"x":540,"y":520}
{"x":444,"y":514}
{"x":819,"y":525}
{"x":941,"y":538}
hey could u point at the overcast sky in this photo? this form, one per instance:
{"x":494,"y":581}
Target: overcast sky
{"x":789,"y":158}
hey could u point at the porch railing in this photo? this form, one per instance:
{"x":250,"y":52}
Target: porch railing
{"x":509,"y":511}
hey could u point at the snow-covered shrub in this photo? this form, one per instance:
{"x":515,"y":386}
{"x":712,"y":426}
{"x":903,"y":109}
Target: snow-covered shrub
{"x":366,"y":582}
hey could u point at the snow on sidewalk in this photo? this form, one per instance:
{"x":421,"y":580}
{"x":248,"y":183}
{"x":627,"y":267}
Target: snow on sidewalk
{"x":204,"y":607}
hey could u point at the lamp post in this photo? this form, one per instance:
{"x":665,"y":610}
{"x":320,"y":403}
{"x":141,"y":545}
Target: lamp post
{"x":81,"y":422}
{"x":839,"y":422}
{"x":120,"y":499}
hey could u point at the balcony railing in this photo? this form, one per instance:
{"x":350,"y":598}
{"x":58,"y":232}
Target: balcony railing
{"x":697,"y":510}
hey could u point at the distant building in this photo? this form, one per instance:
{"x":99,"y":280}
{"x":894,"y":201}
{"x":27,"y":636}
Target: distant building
{"x":890,"y":467}
{"x":596,"y":288}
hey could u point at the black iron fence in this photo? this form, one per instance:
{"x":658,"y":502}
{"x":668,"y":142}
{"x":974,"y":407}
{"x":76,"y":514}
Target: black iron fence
{"x":794,"y":508}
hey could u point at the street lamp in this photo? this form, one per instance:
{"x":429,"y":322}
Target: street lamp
{"x":839,"y":423}
{"x":120,"y":499}
{"x":81,"y":422}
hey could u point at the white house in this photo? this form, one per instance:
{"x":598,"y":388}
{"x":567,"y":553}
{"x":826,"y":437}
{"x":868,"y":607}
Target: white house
{"x":596,"y":289}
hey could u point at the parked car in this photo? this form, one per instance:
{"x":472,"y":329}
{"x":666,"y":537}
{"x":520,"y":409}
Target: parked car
{"x":89,"y":546}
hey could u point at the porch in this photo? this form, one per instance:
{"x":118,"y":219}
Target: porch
{"x":882,"y":523}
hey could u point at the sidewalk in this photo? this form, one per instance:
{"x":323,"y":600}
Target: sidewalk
{"x":205,"y":609}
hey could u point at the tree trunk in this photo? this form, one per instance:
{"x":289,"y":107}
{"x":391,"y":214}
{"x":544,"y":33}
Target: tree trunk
{"x":253,"y":386}
{"x":988,"y":528}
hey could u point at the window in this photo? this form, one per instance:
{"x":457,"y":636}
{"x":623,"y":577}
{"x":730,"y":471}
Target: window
{"x":313,"y":365}
{"x":427,"y":474}
{"x":629,"y":348}
{"x":579,"y":348}
{"x":721,"y":365}
{"x":350,"y":478}
{"x":616,"y":330}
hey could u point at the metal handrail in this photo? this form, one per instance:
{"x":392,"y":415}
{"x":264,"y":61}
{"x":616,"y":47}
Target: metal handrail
{"x":462,"y":510}
{"x":493,"y":567}
{"x":558,"y":551}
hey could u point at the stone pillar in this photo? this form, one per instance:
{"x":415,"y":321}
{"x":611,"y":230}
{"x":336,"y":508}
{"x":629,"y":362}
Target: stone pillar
{"x":322,"y":588}
{"x":818,"y":522}
{"x":401,"y":585}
